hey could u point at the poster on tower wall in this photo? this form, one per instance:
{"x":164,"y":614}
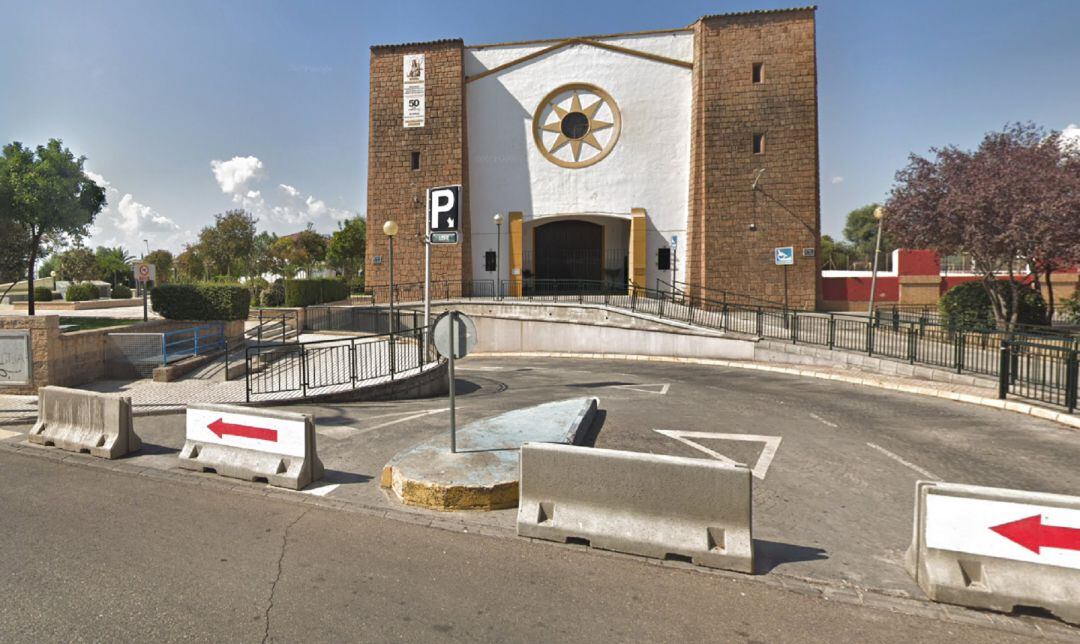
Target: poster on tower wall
{"x":413,"y":90}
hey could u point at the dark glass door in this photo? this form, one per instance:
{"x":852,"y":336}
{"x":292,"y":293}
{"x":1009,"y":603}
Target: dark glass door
{"x":569,"y":250}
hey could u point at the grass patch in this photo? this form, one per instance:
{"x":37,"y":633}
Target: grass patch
{"x":84,"y":324}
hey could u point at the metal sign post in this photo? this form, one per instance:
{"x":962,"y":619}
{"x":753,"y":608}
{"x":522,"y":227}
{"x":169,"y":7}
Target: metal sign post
{"x":143,"y":274}
{"x":784,"y":256}
{"x":453,"y":403}
{"x":455,"y":337}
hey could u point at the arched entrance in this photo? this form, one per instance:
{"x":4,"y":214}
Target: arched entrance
{"x":569,"y":249}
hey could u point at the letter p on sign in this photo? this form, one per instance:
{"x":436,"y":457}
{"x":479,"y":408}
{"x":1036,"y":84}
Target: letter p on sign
{"x":444,"y":208}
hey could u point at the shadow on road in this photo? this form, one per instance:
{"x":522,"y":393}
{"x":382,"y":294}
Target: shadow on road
{"x":588,"y":439}
{"x":769,"y":555}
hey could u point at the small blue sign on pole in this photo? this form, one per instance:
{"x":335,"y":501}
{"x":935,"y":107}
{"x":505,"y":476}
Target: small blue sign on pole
{"x":784,"y":255}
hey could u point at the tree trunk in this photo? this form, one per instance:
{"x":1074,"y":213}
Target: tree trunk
{"x":995,"y":299}
{"x":1049,"y":295}
{"x":34,"y":241}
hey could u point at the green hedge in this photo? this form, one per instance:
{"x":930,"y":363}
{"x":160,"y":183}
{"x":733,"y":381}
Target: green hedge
{"x":82,"y":292}
{"x":967,"y":306}
{"x":42,"y":294}
{"x":315,"y":291}
{"x":121,"y":292}
{"x":201,"y":301}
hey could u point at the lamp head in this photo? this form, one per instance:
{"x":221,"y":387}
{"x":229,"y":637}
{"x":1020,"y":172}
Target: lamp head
{"x":879,"y":213}
{"x":497,"y":219}
{"x":390,"y":228}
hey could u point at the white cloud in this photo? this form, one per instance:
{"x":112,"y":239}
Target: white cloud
{"x":127,"y":222}
{"x":1070,"y":138}
{"x":233,"y":175}
{"x":284,"y":210}
{"x":837,"y":179}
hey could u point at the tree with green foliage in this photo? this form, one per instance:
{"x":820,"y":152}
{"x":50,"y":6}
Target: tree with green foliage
{"x":1014,"y":198}
{"x":345,"y":251}
{"x":14,"y":244}
{"x":228,"y":245}
{"x":48,"y":195}
{"x":163,"y":265}
{"x":860,"y":231}
{"x":299,"y":252}
{"x":114,"y":264}
{"x":78,"y":264}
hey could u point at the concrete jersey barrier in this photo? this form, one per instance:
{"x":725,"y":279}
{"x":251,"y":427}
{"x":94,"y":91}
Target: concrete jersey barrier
{"x":252,"y":444}
{"x":85,"y":421}
{"x":997,"y":549}
{"x":646,"y":504}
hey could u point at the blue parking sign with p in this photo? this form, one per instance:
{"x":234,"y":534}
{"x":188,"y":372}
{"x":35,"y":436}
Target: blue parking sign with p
{"x":784,"y":255}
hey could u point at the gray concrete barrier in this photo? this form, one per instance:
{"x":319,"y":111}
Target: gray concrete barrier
{"x":646,"y":504}
{"x":997,"y":549}
{"x":252,"y":444}
{"x":85,"y":421}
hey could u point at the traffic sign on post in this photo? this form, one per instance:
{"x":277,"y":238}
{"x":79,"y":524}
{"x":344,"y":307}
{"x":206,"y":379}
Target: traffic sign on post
{"x":444,"y":214}
{"x":455,"y":337}
{"x":144,"y":272}
{"x":784,"y":255}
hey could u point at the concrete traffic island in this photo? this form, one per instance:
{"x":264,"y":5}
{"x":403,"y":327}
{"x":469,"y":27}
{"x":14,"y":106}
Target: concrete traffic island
{"x":484,"y":473}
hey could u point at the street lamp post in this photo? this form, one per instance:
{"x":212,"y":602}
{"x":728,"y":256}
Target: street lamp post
{"x":879,"y":214}
{"x":498,"y":244}
{"x":390,"y":228}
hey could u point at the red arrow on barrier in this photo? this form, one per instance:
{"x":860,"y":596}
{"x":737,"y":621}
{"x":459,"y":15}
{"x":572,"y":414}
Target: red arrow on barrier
{"x":1034,"y":535}
{"x":220,"y":428}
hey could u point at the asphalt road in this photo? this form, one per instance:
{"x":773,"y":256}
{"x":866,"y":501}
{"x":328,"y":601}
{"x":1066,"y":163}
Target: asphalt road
{"x":95,"y":555}
{"x":834,"y":503}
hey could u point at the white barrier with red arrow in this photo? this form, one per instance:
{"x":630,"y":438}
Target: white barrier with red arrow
{"x":275,"y":435}
{"x":277,"y":447}
{"x":1009,"y":530}
{"x":997,"y":548}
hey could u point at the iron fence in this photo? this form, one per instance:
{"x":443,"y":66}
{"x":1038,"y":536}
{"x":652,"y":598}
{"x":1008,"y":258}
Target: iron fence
{"x":199,"y":340}
{"x":329,"y":366}
{"x":1040,"y":367}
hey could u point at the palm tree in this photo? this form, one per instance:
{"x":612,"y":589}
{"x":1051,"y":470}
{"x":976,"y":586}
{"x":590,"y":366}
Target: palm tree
{"x":113,"y":261}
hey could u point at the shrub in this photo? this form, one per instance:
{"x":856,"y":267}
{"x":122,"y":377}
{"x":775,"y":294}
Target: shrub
{"x":314,"y":291}
{"x":121,"y":292}
{"x":42,"y":294}
{"x":1070,"y":308}
{"x":82,"y":292}
{"x":273,"y":295}
{"x":201,"y":301}
{"x":967,"y":306}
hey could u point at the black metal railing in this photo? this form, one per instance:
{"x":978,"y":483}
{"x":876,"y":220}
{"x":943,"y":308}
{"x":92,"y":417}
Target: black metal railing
{"x":303,"y":369}
{"x":1039,"y":372}
{"x":1042,"y":371}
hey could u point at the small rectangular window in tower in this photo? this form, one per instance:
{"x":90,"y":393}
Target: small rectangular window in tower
{"x":759,"y":144}
{"x":415,"y":160}
{"x":759,"y":72}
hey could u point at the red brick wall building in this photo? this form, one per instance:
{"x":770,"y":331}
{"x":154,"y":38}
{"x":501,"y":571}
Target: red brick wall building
{"x":751,"y":88}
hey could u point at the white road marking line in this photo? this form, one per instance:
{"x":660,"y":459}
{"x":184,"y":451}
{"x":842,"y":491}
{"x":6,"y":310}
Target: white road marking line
{"x":322,"y":490}
{"x":819,"y":418}
{"x":401,"y":420}
{"x":915,"y":468}
{"x":760,"y":469}
{"x":8,"y":434}
{"x":664,"y":386}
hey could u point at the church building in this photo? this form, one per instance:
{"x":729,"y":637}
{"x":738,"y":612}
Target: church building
{"x":686,"y":155}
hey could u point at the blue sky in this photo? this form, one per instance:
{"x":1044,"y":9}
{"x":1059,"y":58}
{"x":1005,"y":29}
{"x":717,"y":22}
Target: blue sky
{"x":154,"y":92}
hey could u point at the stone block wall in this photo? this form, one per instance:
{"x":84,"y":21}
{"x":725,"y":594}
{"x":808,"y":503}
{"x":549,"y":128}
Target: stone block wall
{"x":79,"y":357}
{"x":395,"y":190}
{"x":729,"y":108}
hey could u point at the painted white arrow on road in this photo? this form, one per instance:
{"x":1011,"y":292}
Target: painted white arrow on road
{"x":772,"y":443}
